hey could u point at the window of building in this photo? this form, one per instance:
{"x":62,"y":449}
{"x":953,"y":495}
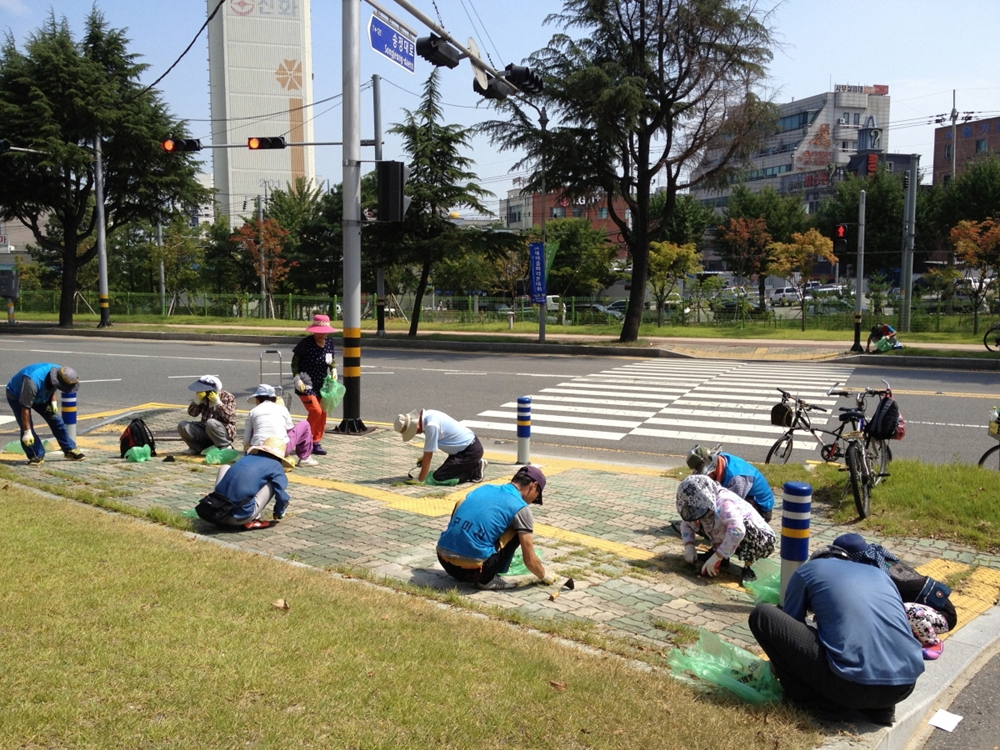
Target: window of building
{"x":847,"y":118}
{"x":947,"y":151}
{"x":980,"y":145}
{"x":791,"y":122}
{"x":854,"y":145}
{"x":889,"y":166}
{"x":557,"y":212}
{"x":947,"y":179}
{"x":577,"y":212}
{"x":857,"y":118}
{"x":602,"y":213}
{"x":843,"y":145}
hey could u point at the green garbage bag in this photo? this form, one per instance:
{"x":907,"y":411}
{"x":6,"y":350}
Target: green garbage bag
{"x":14,"y":446}
{"x":767,"y":587}
{"x":432,"y":482}
{"x":729,"y":667}
{"x":331,"y":394}
{"x":517,"y":566}
{"x":138,"y":453}
{"x":216,"y":456}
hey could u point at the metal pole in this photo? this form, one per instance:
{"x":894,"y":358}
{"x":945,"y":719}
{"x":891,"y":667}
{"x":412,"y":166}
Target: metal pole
{"x":163,"y":275}
{"x":260,"y":246}
{"x":860,"y":275}
{"x":543,"y":120}
{"x":796,"y":511}
{"x":351,"y":87}
{"x":909,"y":239}
{"x":524,"y":430}
{"x":379,"y":272}
{"x":102,"y":247}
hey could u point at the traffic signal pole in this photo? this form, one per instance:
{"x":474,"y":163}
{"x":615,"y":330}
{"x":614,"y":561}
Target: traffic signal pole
{"x":102,"y":244}
{"x":909,"y":232}
{"x":860,"y":282}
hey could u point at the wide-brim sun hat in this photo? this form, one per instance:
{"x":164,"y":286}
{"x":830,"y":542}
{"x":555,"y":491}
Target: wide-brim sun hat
{"x":263,"y":391}
{"x":321,"y":324}
{"x":407,"y":424}
{"x":273,"y":446}
{"x":206,"y":383}
{"x":64,"y":378}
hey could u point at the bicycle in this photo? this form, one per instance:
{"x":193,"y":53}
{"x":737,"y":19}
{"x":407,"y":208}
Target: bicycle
{"x":991,"y":458}
{"x":991,"y":339}
{"x":862,"y":454}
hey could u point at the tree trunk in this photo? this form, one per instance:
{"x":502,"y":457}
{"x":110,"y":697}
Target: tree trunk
{"x":68,"y":287}
{"x":418,"y":298}
{"x":761,"y":278}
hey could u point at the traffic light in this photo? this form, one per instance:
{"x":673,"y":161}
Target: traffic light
{"x":4,"y":146}
{"x":437,"y":51}
{"x":261,"y":144}
{"x":840,"y":238}
{"x":523,"y":77}
{"x":906,"y":180}
{"x":173,"y":145}
{"x":391,"y":177}
{"x":496,"y":88}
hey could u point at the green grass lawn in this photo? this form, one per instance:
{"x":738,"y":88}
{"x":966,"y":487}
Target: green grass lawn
{"x":123,"y":634}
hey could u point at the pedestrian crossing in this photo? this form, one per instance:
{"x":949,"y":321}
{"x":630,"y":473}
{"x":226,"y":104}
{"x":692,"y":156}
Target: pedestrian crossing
{"x":696,"y":401}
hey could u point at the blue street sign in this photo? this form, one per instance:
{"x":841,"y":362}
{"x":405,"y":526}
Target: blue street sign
{"x":392,"y":45}
{"x":536,"y":272}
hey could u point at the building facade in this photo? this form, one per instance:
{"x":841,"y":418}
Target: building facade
{"x":523,"y":210}
{"x":260,"y":79}
{"x":965,"y":142}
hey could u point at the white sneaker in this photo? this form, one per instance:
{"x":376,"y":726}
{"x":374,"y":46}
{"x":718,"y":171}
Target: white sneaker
{"x":483,"y":463}
{"x":497,"y":584}
{"x":307,"y":462}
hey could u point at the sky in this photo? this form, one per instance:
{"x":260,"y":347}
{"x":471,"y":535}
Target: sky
{"x":921,"y":49}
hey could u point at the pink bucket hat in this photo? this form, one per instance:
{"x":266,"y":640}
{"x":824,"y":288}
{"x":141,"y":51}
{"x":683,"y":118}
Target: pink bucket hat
{"x":321,"y":324}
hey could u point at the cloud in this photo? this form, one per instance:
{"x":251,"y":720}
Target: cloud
{"x":16,"y":7}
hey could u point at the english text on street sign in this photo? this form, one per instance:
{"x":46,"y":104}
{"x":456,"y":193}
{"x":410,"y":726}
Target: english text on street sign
{"x":536,"y":272}
{"x":391,"y":44}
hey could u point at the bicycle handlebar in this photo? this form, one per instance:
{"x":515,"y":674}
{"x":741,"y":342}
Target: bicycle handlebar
{"x":804,"y":405}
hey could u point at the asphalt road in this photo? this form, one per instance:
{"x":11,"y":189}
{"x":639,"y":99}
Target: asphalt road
{"x":622,"y":409}
{"x":979,"y":728}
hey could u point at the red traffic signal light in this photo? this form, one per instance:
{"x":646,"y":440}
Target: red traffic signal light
{"x":172,"y":145}
{"x":259,"y":144}
{"x":840,"y":233}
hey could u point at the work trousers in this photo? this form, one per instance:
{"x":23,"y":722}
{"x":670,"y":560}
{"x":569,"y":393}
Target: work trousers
{"x":497,"y":563}
{"x":300,"y":441}
{"x":202,"y":435}
{"x":315,"y":415}
{"x":264,"y":496}
{"x":55,"y":424}
{"x":463,"y":465}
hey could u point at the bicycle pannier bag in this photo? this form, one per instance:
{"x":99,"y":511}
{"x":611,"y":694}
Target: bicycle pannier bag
{"x":885,"y":420}
{"x":135,"y":435}
{"x":900,"y":429}
{"x":782,"y":415}
{"x":916,"y":587}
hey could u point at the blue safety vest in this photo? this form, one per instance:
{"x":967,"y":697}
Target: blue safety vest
{"x":38,"y":374}
{"x":760,"y":493}
{"x":480,"y":521}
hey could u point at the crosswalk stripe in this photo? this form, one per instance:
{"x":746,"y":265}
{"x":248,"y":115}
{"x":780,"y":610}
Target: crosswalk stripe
{"x":592,"y":421}
{"x":715,"y":437}
{"x":660,"y":398}
{"x":713,"y":414}
{"x":605,"y":401}
{"x":768,"y":428}
{"x":626,"y":389}
{"x":584,"y":410}
{"x":503,"y":427}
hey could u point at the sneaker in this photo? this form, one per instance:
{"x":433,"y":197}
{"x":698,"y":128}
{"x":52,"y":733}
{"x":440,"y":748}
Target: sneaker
{"x":74,"y":455}
{"x":496,"y":584}
{"x":35,"y":461}
{"x":481,"y":473}
{"x":884,"y":716}
{"x":933,"y":652}
{"x":307,"y":462}
{"x":747,"y":574}
{"x":318,"y":449}
{"x":258,"y":524}
{"x":191,"y":452}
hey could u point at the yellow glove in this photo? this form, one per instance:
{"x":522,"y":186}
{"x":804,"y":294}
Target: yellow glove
{"x":199,"y":397}
{"x":50,"y":408}
{"x":27,"y":438}
{"x":213,"y":398}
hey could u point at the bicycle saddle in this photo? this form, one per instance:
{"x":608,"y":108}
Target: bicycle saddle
{"x":850,"y":414}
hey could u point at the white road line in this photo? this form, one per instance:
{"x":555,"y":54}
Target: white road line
{"x":585,"y":410}
{"x":592,"y":421}
{"x":503,"y":427}
{"x":725,"y":394}
{"x":108,"y":380}
{"x":663,"y":399}
{"x":600,"y":401}
{"x":6,"y":420}
{"x":949,"y":424}
{"x":713,"y":414}
{"x":714,"y":437}
{"x":768,"y":428}
{"x":625,"y":389}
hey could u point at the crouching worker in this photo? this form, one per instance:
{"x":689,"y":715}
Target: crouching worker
{"x":487,"y":528}
{"x":34,"y":388}
{"x":730,"y":523}
{"x":465,"y":462}
{"x":244,"y":489}
{"x":861,"y":654}
{"x":216,"y":409}
{"x":735,"y":474}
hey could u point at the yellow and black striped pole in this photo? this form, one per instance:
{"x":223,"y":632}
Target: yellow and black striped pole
{"x":352,"y":423}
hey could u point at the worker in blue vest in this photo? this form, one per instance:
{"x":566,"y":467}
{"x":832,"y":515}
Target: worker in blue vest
{"x":34,"y":388}
{"x":735,"y":474}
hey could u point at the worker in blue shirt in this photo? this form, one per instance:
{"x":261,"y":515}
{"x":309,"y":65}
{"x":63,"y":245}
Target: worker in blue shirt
{"x":736,"y":475}
{"x":861,"y":654}
{"x":34,"y":388}
{"x":244,"y":489}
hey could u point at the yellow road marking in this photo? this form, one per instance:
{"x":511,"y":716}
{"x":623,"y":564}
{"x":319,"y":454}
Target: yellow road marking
{"x":946,"y":394}
{"x":980,"y":591}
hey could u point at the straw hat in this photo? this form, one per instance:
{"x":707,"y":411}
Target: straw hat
{"x":406,"y":424}
{"x":273,"y":446}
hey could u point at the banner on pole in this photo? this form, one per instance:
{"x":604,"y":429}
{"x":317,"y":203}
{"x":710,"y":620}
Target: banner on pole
{"x":536,"y":272}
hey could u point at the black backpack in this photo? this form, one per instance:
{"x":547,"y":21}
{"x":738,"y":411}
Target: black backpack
{"x":137,"y":434}
{"x":916,"y":587}
{"x":885,"y":420}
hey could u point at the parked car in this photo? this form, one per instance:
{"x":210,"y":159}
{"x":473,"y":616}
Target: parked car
{"x":786,"y":295}
{"x":593,"y":312}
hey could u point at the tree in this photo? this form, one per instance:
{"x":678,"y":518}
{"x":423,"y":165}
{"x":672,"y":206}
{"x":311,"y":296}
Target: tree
{"x":58,"y":97}
{"x":799,"y":256}
{"x":977,"y":244}
{"x":583,"y":263}
{"x":294,"y":210}
{"x":669,"y":264}
{"x":783,"y":215}
{"x":263,"y":242}
{"x":745,"y":244}
{"x":686,"y":224}
{"x":975,"y":194}
{"x":648,"y":89}
{"x":182,"y":255}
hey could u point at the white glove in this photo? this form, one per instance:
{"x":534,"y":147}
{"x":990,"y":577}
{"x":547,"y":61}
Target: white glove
{"x":711,"y":566}
{"x":300,"y":387}
{"x":690,"y":554}
{"x":27,"y":438}
{"x":548,"y":579}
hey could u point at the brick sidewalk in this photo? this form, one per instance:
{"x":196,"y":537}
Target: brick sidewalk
{"x":605,"y":525}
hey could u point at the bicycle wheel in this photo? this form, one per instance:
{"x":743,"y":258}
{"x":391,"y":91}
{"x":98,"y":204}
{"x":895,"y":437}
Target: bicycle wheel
{"x":992,"y":339}
{"x":878,"y":458}
{"x":858,"y":478}
{"x":991,"y":459}
{"x":781,"y":451}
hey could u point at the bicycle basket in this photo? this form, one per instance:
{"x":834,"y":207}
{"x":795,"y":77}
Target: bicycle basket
{"x":995,"y":430}
{"x":782,"y":415}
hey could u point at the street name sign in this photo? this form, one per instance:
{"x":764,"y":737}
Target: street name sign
{"x":392,"y":44}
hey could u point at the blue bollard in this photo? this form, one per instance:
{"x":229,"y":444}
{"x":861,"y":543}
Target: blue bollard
{"x":524,"y":430}
{"x":68,"y":410}
{"x":796,"y":510}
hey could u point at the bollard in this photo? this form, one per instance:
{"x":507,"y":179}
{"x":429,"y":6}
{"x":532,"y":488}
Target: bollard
{"x":524,"y":430}
{"x":510,"y":320}
{"x":796,"y":508}
{"x":68,"y":409}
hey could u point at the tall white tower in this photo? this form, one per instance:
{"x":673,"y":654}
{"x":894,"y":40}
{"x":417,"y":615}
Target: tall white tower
{"x":260,"y":78}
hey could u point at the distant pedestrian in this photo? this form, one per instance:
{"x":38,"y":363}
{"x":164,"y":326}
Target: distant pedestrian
{"x":313,"y":358}
{"x":884,"y":336}
{"x":731,"y":524}
{"x":34,"y":388}
{"x":270,"y":419}
{"x":217,"y":411}
{"x":244,"y":489}
{"x":735,"y":474}
{"x":488,"y":527}
{"x":465,"y":462}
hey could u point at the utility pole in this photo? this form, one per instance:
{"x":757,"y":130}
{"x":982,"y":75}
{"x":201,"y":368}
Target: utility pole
{"x":909,"y":237}
{"x":260,"y":249}
{"x":163,"y":276}
{"x":860,"y":276}
{"x":543,"y":120}
{"x":380,"y":271}
{"x":102,"y":245}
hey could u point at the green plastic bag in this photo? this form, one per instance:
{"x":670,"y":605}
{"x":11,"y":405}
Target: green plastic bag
{"x":727,"y":666}
{"x":517,"y":566}
{"x":216,"y":456}
{"x":884,"y":344}
{"x":432,"y":482}
{"x":14,"y":446}
{"x":138,"y":453}
{"x":331,"y":394}
{"x":767,"y":587}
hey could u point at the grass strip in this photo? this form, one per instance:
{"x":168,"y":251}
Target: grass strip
{"x":124,"y":634}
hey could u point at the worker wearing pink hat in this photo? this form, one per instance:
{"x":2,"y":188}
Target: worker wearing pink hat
{"x":313,"y":358}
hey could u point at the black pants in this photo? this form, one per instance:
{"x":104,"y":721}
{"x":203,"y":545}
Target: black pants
{"x":464,"y":465}
{"x":496,"y":564}
{"x":799,"y":662}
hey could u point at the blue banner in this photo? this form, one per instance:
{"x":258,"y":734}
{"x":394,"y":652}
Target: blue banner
{"x":536,"y":272}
